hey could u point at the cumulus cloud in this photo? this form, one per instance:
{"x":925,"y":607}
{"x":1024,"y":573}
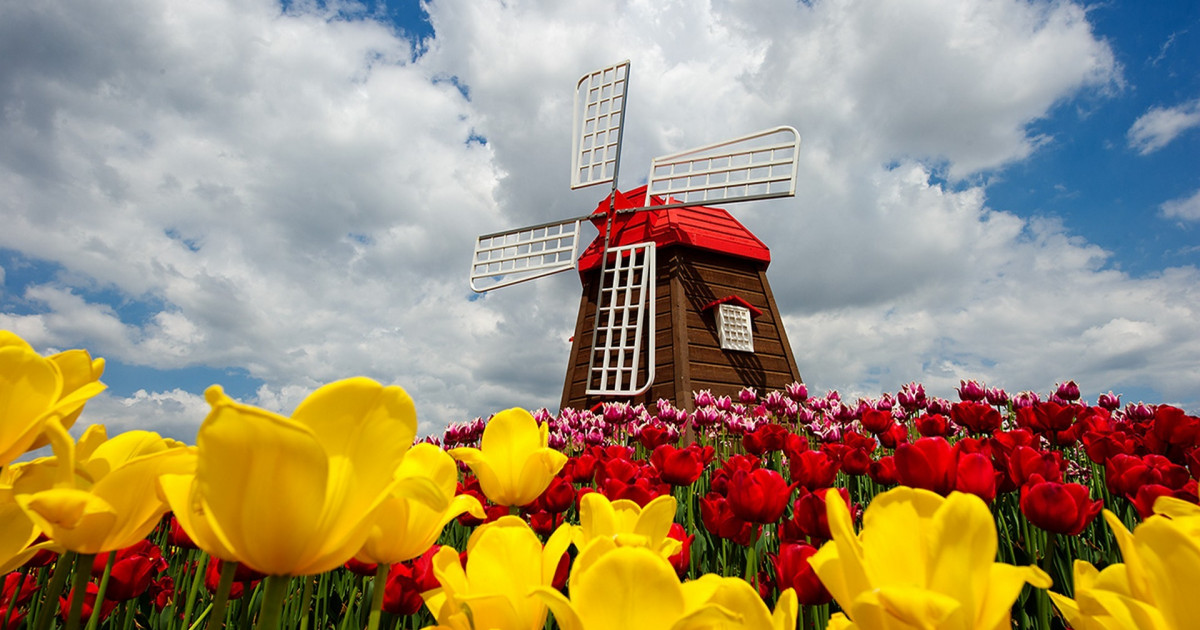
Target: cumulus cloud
{"x":1184,"y":209}
{"x":295,"y":193}
{"x":1160,"y":125}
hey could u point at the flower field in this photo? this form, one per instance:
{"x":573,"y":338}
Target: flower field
{"x":771,"y":510}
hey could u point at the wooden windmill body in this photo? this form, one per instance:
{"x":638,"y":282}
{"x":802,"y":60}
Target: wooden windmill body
{"x":675,"y":293}
{"x":704,"y":258}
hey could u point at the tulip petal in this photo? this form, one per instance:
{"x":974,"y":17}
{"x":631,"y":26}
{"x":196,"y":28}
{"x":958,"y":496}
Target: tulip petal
{"x":629,"y":587}
{"x":270,"y":526}
{"x":179,"y":490}
{"x":963,"y":552}
{"x":1172,"y":563}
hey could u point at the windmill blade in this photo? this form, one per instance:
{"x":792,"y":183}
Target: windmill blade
{"x":624,"y":323}
{"x":760,"y":165}
{"x":505,"y":258}
{"x":598,"y":124}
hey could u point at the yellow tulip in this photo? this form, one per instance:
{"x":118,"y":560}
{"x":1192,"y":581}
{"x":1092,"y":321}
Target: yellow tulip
{"x":921,"y":561}
{"x":627,"y":523}
{"x":1154,"y":588}
{"x":405,"y":528}
{"x":101,"y":494}
{"x":33,"y":388}
{"x":634,"y":587}
{"x":514,"y":463}
{"x":505,"y":564}
{"x":296,"y":496}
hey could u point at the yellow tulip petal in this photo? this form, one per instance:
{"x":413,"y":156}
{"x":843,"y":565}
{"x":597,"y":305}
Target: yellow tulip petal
{"x":560,"y":607}
{"x":29,"y":386}
{"x":73,"y":518}
{"x":1172,"y":563}
{"x":787,"y":611}
{"x":839,"y":562}
{"x":184,"y":501}
{"x":17,"y":532}
{"x":962,"y":554}
{"x":271,"y":527}
{"x":629,"y":587}
{"x":132,"y":491}
{"x":903,"y":607}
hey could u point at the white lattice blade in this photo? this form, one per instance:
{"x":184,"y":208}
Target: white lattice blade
{"x":623,"y":326}
{"x":505,"y":258}
{"x":760,"y":165}
{"x":598,"y":122}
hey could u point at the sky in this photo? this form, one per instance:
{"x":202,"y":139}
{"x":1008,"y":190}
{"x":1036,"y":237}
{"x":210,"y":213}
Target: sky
{"x":271,"y":197}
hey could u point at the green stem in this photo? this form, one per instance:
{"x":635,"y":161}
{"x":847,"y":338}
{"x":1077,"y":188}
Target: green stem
{"x":54,"y":589}
{"x":381,"y":573}
{"x":79,"y":582}
{"x":752,"y":560}
{"x":217,"y":618}
{"x":94,"y":619}
{"x":1043,"y":602}
{"x":274,"y":592}
{"x":194,"y":588}
{"x":306,"y":601}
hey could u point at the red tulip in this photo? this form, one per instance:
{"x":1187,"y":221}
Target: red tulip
{"x":883,"y":471}
{"x":810,"y":520}
{"x":894,"y":436}
{"x":792,"y":570}
{"x":976,"y":417}
{"x":933,"y":425}
{"x":89,"y":604}
{"x":28,"y":586}
{"x":812,"y":469}
{"x":1024,"y":462}
{"x":768,"y":438}
{"x":759,"y":496}
{"x":682,"y":560}
{"x":406,"y":581}
{"x":680,"y":466}
{"x":1063,"y":508}
{"x":977,"y":476}
{"x":652,"y":436}
{"x":132,"y":572}
{"x":876,"y":421}
{"x":856,"y":462}
{"x":720,"y":520}
{"x":558,"y":497}
{"x":928,"y":463}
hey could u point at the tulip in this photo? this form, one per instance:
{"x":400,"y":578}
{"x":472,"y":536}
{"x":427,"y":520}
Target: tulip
{"x":505,"y":563}
{"x":34,"y":388}
{"x":947,"y":580}
{"x":100,"y":494}
{"x":928,"y":463}
{"x":812,"y":469}
{"x":627,"y":524}
{"x":976,"y":417}
{"x":297,"y":496}
{"x":133,"y":570}
{"x":636,"y":588}
{"x":514,"y":464}
{"x":405,"y":527}
{"x":682,"y":559}
{"x":1062,"y":508}
{"x":1155,"y":587}
{"x":759,"y":496}
{"x":971,"y":391}
{"x":719,"y":520}
{"x":406,"y":581}
{"x":680,"y":466}
{"x":793,"y":571}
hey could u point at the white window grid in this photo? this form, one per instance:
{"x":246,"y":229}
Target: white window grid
{"x":598,"y":122}
{"x":624,"y":323}
{"x":761,"y":165}
{"x":505,"y":258}
{"x":734,"y":328}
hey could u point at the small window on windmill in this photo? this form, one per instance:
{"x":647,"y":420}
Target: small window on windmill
{"x":734,"y":330}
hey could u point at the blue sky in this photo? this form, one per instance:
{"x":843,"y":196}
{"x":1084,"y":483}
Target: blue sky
{"x":272,"y":197}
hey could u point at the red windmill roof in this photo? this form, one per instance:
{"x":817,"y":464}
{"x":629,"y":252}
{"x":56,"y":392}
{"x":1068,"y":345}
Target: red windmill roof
{"x":701,"y":227}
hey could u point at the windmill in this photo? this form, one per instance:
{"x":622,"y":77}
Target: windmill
{"x":620,"y":346}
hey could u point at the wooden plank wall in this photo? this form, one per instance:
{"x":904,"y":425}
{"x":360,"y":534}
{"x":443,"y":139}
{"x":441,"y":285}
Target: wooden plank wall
{"x":688,"y":354}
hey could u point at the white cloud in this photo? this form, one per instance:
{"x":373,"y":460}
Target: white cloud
{"x":1160,"y":125}
{"x":1186,"y":209}
{"x":295,"y":196}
